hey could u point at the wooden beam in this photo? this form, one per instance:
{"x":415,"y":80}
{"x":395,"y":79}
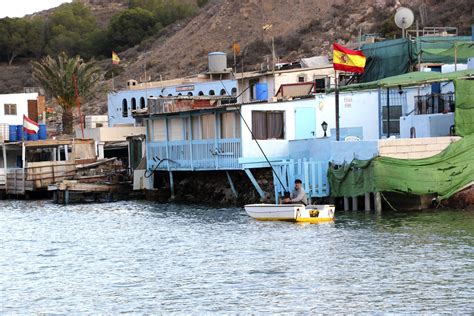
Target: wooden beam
{"x":255,"y":184}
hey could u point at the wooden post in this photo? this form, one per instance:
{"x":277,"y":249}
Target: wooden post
{"x":378,"y":202}
{"x":5,"y":166}
{"x":171,"y":184}
{"x":354,"y":203}
{"x":367,"y":201}
{"x":231,"y":183}
{"x":23,"y":164}
{"x":66,"y":197}
{"x":346,"y":203}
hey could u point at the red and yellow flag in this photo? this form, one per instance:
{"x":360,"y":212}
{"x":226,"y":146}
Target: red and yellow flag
{"x":348,"y":60}
{"x":115,"y":58}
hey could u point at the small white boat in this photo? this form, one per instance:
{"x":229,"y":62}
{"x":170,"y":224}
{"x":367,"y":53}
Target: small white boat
{"x":291,"y":212}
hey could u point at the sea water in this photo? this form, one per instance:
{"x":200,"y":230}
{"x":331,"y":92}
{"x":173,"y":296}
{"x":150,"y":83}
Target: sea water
{"x":144,"y":257}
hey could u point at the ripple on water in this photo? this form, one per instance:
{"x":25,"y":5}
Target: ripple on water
{"x":147,"y":258}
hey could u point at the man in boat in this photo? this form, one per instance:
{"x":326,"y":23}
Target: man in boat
{"x":298,"y":195}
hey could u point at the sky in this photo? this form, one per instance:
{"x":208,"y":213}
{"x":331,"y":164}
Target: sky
{"x":19,"y":8}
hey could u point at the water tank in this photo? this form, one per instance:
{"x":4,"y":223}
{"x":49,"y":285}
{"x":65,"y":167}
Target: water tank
{"x":21,"y":134}
{"x":42,"y":133}
{"x":217,"y":62}
{"x":261,"y":91}
{"x":33,"y":136}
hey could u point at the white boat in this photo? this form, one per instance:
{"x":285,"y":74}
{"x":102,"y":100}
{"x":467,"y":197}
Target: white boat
{"x":291,"y":212}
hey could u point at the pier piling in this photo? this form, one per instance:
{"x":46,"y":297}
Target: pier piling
{"x":346,"y":203}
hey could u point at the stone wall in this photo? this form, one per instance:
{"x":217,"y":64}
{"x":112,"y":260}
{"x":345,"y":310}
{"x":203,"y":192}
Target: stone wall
{"x":414,"y":148}
{"x":212,"y":187}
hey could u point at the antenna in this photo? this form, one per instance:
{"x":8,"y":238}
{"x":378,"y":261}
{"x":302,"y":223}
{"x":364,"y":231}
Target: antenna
{"x":404,"y":19}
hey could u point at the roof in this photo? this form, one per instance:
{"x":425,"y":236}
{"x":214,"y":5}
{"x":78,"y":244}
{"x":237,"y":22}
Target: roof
{"x":410,"y":79}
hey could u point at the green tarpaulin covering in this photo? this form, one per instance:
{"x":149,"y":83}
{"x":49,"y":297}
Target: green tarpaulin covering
{"x":464,"y":113}
{"x":457,"y":51}
{"x":443,"y":174}
{"x":399,"y":56}
{"x":409,"y":79}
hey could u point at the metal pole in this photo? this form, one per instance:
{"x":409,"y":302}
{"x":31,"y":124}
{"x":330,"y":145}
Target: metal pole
{"x":273,"y":54}
{"x":388,"y":112}
{"x":455,"y":57}
{"x":337,"y":106}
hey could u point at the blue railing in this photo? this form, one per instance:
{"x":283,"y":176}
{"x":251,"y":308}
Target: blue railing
{"x":312,"y":173}
{"x":209,"y":154}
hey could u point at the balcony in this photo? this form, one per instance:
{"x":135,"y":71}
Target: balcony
{"x":193,"y":155}
{"x":434,"y":103}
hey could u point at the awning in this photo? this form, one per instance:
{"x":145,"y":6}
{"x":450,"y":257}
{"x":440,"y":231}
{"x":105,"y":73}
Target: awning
{"x":409,"y":80}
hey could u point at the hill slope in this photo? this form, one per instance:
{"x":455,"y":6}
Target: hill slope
{"x":301,"y":28}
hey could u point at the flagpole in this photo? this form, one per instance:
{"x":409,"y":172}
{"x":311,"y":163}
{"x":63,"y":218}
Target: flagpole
{"x":337,"y":104}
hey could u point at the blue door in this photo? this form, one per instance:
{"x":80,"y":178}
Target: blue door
{"x":305,"y":123}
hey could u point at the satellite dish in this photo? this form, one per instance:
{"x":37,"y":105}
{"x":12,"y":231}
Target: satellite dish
{"x":404,"y":18}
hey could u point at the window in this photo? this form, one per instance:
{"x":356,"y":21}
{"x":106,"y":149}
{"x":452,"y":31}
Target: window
{"x":223,"y":92}
{"x":134,"y":104}
{"x":211,"y":92}
{"x":268,"y":124}
{"x":196,"y":127}
{"x":395,"y":113}
{"x":320,"y":85}
{"x":301,"y":78}
{"x":201,"y":93}
{"x":10,"y":109}
{"x":208,"y":126}
{"x":142,"y":103}
{"x":124,"y":108}
{"x":170,"y":95}
{"x":230,"y":125}
{"x":234,"y":92}
{"x":157,"y":131}
{"x":180,"y":94}
{"x":175,"y":129}
{"x":190,"y":94}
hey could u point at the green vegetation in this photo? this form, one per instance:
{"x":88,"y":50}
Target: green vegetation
{"x":57,"y":78}
{"x":73,"y":29}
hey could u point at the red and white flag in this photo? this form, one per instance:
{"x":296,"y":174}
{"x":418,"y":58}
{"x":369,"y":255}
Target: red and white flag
{"x":30,"y":126}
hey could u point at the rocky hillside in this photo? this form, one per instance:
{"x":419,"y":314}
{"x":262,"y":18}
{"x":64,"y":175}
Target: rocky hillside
{"x":301,"y":28}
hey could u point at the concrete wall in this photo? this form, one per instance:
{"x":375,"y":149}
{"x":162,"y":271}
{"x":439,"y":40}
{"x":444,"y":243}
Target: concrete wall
{"x":414,"y":148}
{"x":342,"y":152}
{"x":110,"y":134}
{"x":271,"y":147}
{"x":428,"y":125}
{"x":21,"y":101}
{"x":315,"y":148}
{"x":356,"y":109}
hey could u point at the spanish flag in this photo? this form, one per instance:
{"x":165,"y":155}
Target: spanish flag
{"x":348,"y":60}
{"x":115,"y":58}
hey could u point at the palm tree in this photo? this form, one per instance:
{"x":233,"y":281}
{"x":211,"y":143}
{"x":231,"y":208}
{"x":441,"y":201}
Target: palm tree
{"x":57,"y":78}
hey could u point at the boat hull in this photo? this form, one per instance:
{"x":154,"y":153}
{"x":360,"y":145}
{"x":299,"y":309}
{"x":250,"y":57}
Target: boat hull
{"x":291,"y":212}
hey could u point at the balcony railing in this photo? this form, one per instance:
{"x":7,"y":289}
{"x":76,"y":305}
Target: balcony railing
{"x":434,"y":103}
{"x":209,"y":154}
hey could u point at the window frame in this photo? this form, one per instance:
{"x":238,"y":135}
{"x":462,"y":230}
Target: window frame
{"x":10,"y":106}
{"x":266,"y":131}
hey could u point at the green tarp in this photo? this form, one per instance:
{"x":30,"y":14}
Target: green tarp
{"x":399,"y":56}
{"x":464,"y":113}
{"x":387,"y":58}
{"x":409,"y":79}
{"x":443,"y":174}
